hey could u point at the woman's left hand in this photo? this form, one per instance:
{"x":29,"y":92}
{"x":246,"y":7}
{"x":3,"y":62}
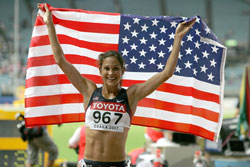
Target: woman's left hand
{"x":184,"y":27}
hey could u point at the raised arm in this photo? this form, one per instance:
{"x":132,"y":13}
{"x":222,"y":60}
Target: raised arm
{"x":140,"y":91}
{"x":82,"y":84}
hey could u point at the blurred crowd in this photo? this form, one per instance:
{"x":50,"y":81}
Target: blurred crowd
{"x":7,"y":64}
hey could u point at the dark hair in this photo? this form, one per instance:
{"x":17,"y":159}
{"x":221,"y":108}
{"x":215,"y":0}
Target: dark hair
{"x":111,"y":53}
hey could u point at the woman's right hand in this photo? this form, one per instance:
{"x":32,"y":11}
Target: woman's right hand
{"x":47,"y":16}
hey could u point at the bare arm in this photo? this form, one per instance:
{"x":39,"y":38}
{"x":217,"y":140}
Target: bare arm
{"x":82,"y":84}
{"x":140,"y":91}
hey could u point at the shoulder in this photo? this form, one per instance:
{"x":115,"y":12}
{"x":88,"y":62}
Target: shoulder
{"x":89,"y":95}
{"x":96,"y":92}
{"x":132,"y":97}
{"x":131,"y":91}
{"x":91,"y":87}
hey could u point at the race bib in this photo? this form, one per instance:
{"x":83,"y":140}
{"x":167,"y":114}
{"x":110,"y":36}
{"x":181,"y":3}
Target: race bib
{"x":108,"y":116}
{"x":105,"y":120}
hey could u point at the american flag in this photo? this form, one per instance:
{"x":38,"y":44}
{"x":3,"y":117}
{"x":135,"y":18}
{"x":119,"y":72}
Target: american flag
{"x":190,"y":101}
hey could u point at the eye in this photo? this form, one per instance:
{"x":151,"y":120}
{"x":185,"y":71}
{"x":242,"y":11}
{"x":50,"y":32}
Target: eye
{"x":116,"y":68}
{"x":106,"y":68}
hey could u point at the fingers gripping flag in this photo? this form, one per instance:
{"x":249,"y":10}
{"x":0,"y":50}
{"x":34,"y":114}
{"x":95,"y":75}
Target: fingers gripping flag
{"x":190,"y":101}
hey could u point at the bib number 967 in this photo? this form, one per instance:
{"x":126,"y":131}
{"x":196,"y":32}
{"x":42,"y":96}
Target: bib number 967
{"x":106,"y":117}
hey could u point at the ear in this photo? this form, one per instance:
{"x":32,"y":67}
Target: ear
{"x":123,"y":70}
{"x":100,"y":71}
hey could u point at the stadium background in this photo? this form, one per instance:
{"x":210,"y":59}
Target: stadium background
{"x":229,"y":20}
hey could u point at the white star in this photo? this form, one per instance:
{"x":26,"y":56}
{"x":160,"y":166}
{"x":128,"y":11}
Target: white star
{"x":194,"y":72}
{"x":180,"y":56}
{"x":213,"y":63}
{"x":210,"y":76}
{"x":125,"y":39}
{"x":142,"y":53}
{"x":171,"y":36}
{"x":163,"y":29}
{"x":134,"y":33}
{"x":178,"y":69}
{"x":197,"y":45}
{"x":133,"y":47}
{"x":153,"y":35}
{"x":125,"y":52}
{"x":188,"y":64}
{"x":162,"y":41}
{"x":182,"y":42}
{"x":197,"y":20}
{"x":196,"y":58}
{"x":160,"y":66}
{"x":161,"y":54}
{"x":126,"y":26}
{"x":143,"y":41}
{"x":207,"y":30}
{"x":152,"y":47}
{"x":203,"y":68}
{"x":141,"y":65}
{"x":214,"y":49}
{"x":183,"y":18}
{"x":189,"y":37}
{"x":152,"y":61}
{"x":155,"y":22}
{"x":188,"y":51}
{"x":133,"y":60}
{"x":170,"y":48}
{"x":144,"y":27}
{"x":197,"y":32}
{"x":203,"y":40}
{"x":205,"y":54}
{"x":136,"y":20}
{"x":173,"y":24}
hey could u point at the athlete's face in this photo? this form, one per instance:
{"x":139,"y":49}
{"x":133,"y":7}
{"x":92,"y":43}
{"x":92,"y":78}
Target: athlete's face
{"x":111,"y":71}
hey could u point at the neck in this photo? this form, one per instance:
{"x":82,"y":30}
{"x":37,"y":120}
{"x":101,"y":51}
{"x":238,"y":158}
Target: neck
{"x":110,"y":92}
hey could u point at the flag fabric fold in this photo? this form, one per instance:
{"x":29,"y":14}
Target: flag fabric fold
{"x":190,"y":101}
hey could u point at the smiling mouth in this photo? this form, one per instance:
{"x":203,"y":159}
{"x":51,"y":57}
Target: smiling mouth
{"x":111,"y":79}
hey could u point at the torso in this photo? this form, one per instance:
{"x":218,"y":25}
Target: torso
{"x":105,"y":146}
{"x":107,"y":123}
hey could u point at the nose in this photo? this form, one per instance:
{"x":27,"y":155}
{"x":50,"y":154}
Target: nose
{"x":110,"y":72}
